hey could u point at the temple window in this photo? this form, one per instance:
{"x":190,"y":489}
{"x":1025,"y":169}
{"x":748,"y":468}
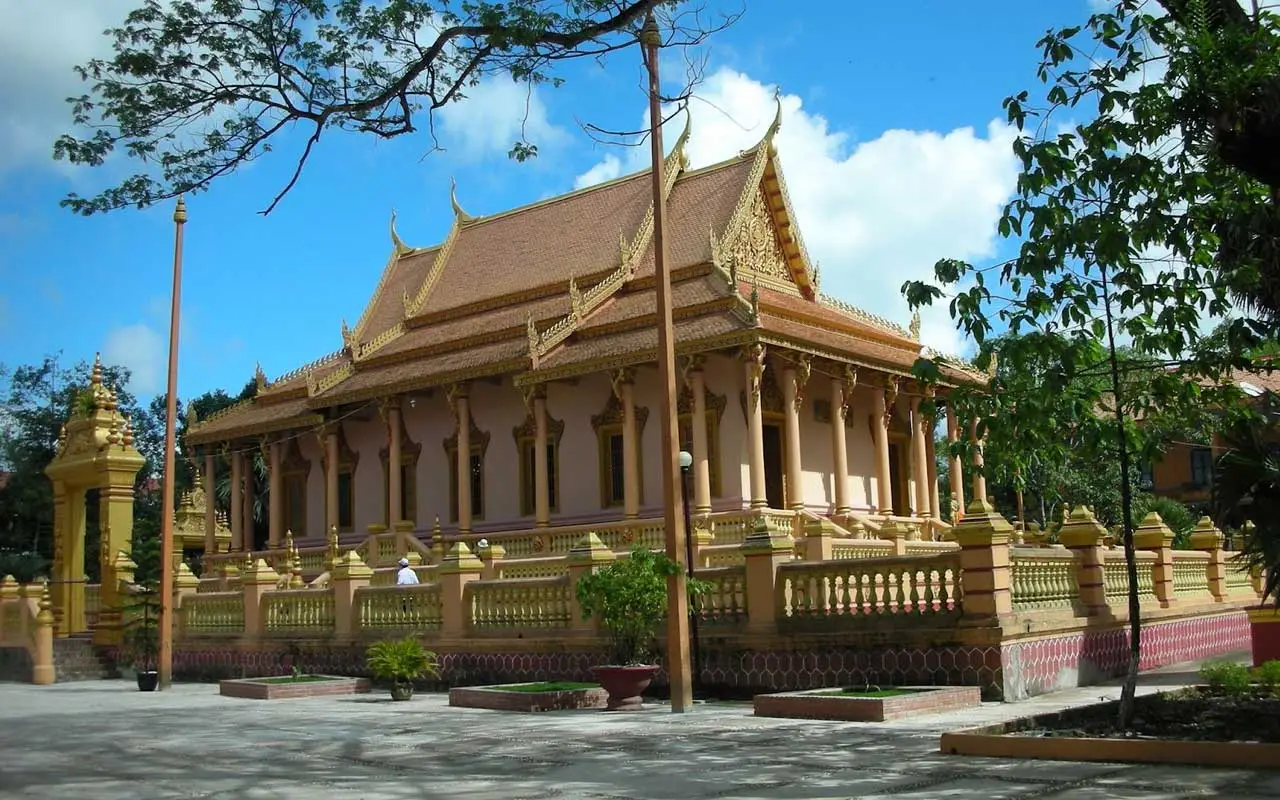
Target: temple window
{"x":526,"y":446}
{"x":409,"y":452}
{"x":294,"y":471}
{"x":715,"y":404}
{"x":611,"y":453}
{"x":479,"y":446}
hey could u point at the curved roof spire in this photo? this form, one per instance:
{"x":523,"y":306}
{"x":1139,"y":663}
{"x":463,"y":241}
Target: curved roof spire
{"x":453,"y":200}
{"x":777,"y":119}
{"x":683,"y":139}
{"x":400,"y":247}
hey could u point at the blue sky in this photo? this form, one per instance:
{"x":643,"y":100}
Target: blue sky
{"x":893,"y":144}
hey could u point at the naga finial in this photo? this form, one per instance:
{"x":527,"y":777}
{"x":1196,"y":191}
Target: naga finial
{"x":776,"y":125}
{"x":461,"y":215}
{"x":400,"y":247}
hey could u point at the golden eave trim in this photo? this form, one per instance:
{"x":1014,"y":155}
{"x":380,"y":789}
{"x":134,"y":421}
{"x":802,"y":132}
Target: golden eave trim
{"x":639,"y":357}
{"x":497,"y":368}
{"x":855,"y":329}
{"x":413,"y":305}
{"x":510,"y":333}
{"x":719,"y":305}
{"x":305,"y":420}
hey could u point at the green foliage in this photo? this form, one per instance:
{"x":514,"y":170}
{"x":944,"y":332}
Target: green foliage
{"x":194,"y":91}
{"x":400,"y":660}
{"x":24,"y":566}
{"x":1246,"y":487}
{"x":1176,"y":515}
{"x":629,"y":597}
{"x":1268,"y":676}
{"x":1226,"y":677}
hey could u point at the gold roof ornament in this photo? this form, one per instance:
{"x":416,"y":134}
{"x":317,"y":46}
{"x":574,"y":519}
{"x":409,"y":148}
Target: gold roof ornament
{"x":400,"y":247}
{"x":993,"y":365}
{"x":914,"y":327}
{"x":259,"y":377}
{"x":461,"y":215}
{"x":348,"y":340}
{"x":776,"y":125}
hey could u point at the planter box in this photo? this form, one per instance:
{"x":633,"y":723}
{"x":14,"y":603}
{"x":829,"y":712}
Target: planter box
{"x":273,"y":689}
{"x":1264,"y":632}
{"x":502,"y":698}
{"x":1003,"y":740}
{"x":829,"y":704}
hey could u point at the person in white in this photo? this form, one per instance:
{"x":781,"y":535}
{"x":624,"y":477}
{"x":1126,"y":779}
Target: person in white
{"x":406,"y":576}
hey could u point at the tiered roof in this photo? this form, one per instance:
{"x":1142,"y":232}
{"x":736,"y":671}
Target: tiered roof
{"x":566,"y":286}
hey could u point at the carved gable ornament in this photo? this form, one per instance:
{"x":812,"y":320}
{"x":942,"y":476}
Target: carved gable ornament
{"x":757,"y":248}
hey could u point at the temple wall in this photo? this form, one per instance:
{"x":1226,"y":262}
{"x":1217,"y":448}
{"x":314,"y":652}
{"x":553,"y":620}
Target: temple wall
{"x":724,"y":375}
{"x":574,"y":405}
{"x":429,"y":421}
{"x":309,"y":448}
{"x":367,"y":437}
{"x":862,"y":451}
{"x":498,"y":410}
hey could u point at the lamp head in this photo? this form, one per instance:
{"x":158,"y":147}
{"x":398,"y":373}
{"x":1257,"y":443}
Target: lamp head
{"x":686,"y":460}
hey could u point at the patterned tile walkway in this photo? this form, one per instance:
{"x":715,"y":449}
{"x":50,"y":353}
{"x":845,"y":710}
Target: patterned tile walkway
{"x":105,"y":740}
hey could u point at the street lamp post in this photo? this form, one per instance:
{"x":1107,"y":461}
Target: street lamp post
{"x":170,"y":447}
{"x":686,"y":461}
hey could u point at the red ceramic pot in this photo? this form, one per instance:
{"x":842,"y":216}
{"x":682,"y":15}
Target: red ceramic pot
{"x":624,"y":685}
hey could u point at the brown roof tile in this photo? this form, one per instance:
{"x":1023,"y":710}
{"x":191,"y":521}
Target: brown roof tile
{"x":639,"y":340}
{"x":406,"y":274}
{"x":826,"y":314}
{"x":544,"y":310}
{"x":422,"y":372}
{"x":254,"y":417}
{"x":546,"y":243}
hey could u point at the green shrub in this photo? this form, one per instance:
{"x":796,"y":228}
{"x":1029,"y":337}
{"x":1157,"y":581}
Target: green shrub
{"x":1269,"y":676}
{"x":1226,"y":677}
{"x":400,"y":660}
{"x":25,"y":567}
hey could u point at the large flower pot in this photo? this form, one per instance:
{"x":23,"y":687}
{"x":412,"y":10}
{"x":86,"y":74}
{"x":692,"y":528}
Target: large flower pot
{"x":148,"y":681}
{"x":401,"y":691}
{"x":624,"y":685}
{"x":1264,"y":630}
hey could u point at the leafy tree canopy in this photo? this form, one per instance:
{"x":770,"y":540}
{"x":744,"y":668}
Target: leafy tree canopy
{"x":197,"y":89}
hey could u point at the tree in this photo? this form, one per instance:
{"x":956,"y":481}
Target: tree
{"x":1126,"y":226}
{"x":1246,"y":488}
{"x":197,"y":90}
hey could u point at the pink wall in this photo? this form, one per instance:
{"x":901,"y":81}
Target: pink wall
{"x":499,"y":409}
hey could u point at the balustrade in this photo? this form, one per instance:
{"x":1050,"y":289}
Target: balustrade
{"x":213,"y":614}
{"x":916,"y":586}
{"x":1190,"y":573}
{"x":519,"y":604}
{"x":725,"y":601}
{"x":298,"y":611}
{"x":399,"y":608}
{"x":1042,"y":578}
{"x":92,"y":604}
{"x":1115,"y":577}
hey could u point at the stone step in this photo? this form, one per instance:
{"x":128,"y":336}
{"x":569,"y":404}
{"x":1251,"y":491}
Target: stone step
{"x":76,"y":659}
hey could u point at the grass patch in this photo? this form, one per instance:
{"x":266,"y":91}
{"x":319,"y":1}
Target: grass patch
{"x":549,"y":686}
{"x":869,"y":693}
{"x":294,"y":679}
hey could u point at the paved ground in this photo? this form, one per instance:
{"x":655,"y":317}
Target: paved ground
{"x":105,"y":740}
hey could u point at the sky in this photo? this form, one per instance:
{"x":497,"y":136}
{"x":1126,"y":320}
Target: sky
{"x":893,"y":143}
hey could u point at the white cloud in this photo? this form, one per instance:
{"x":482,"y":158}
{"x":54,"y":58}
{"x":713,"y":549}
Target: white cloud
{"x":873,"y":213}
{"x":40,"y":43}
{"x":144,"y":351}
{"x":494,"y":115}
{"x":609,"y":168}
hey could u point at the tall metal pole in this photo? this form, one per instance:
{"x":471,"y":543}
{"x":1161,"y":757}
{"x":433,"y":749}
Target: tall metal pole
{"x":688,"y":571}
{"x":170,"y":452}
{"x":673,"y":516}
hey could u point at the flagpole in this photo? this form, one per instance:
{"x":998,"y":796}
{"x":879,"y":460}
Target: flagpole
{"x":167,"y":565}
{"x":673,"y":508}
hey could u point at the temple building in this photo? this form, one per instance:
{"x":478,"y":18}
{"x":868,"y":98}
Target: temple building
{"x":505,"y":379}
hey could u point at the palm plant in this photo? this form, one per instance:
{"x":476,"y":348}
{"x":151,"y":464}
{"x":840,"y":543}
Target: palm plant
{"x":1246,"y":487}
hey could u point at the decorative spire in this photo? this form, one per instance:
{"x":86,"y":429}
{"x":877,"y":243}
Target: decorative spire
{"x":461,"y":215}
{"x":993,"y":364}
{"x":777,"y":121}
{"x":126,"y":437}
{"x":180,"y":210}
{"x":914,"y":327}
{"x":348,"y":341}
{"x":192,"y":417}
{"x":534,"y":338}
{"x":678,"y":151}
{"x":259,"y":377}
{"x":400,"y":247}
{"x":575,"y":300}
{"x":95,"y":377}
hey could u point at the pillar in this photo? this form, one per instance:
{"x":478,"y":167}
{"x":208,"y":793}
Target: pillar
{"x":257,"y":579}
{"x":331,"y":515}
{"x":919,"y":459}
{"x":588,"y":555}
{"x":42,"y":667}
{"x":349,"y":575}
{"x":630,"y":452}
{"x":541,"y":478}
{"x":701,"y":451}
{"x":246,"y":529}
{"x":984,"y":562}
{"x":61,"y":523}
{"x":979,"y":479}
{"x":1157,"y":537}
{"x":763,"y":551}
{"x":792,"y":399}
{"x":1083,"y":535}
{"x":236,"y":513}
{"x":275,"y":495}
{"x":395,"y":486}
{"x":210,"y":507}
{"x":880,"y":432}
{"x":459,"y":568}
{"x":957,"y":466}
{"x":839,"y":446}
{"x":1208,"y":539}
{"x":755,"y":426}
{"x":462,"y":411}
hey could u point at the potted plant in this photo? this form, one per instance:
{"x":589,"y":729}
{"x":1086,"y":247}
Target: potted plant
{"x":401,"y":661}
{"x":629,"y":598}
{"x":141,"y":615}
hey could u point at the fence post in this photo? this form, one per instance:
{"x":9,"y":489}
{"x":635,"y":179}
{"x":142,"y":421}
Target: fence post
{"x":257,"y":579}
{"x":42,"y":670}
{"x":1085,"y":537}
{"x":818,"y":534}
{"x":491,"y":557}
{"x":763,"y":551}
{"x":349,"y":576}
{"x":895,"y":533}
{"x":1155,"y":536}
{"x":1206,"y":538}
{"x":588,"y":554}
{"x":983,"y":536}
{"x":459,"y":568}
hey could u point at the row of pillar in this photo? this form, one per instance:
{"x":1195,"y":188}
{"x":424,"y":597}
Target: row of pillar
{"x":795,"y":378}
